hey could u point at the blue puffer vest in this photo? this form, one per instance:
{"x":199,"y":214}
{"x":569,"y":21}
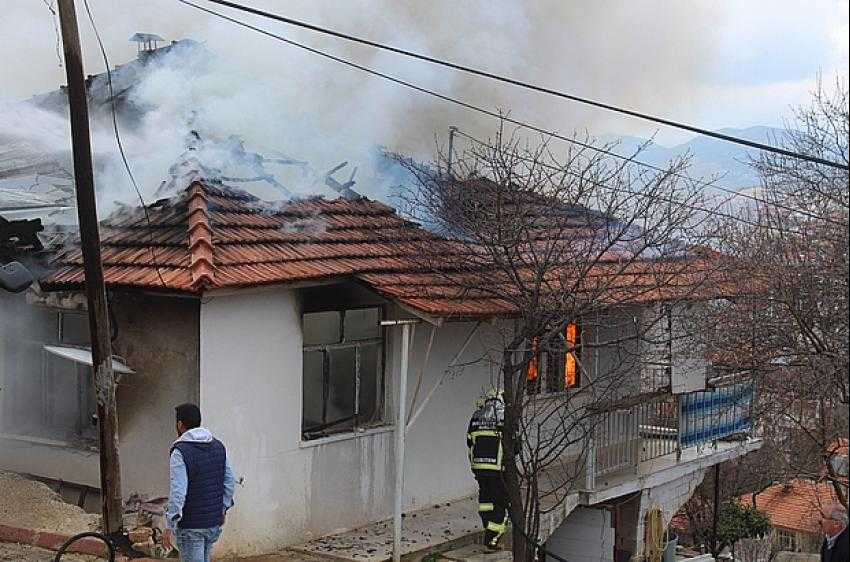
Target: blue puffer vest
{"x":205,"y":465}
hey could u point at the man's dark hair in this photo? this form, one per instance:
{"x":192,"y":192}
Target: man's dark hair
{"x":189,"y":414}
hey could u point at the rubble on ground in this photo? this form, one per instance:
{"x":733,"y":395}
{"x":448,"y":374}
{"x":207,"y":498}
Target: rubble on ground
{"x":144,"y":520}
{"x":33,"y":505}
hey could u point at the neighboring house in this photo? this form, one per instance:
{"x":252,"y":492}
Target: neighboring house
{"x":794,"y":510}
{"x":269,"y":317}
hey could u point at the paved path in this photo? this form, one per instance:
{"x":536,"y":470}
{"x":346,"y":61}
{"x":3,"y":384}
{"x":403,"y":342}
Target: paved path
{"x":422,"y":531}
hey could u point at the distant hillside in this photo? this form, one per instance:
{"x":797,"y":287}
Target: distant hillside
{"x":710,"y":157}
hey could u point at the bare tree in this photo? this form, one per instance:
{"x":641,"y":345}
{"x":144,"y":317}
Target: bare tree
{"x":744,"y":477}
{"x":791,"y":331}
{"x":570,"y":245}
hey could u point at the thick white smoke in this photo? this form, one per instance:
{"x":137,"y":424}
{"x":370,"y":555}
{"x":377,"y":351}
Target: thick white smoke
{"x":277,"y":98}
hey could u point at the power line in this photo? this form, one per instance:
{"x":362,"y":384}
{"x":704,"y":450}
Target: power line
{"x":120,"y":144}
{"x":500,"y":116}
{"x":534,"y":87}
{"x":54,"y":18}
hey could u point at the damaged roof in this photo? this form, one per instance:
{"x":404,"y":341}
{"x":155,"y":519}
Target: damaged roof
{"x":212,"y":236}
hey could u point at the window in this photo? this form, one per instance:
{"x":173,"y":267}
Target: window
{"x":533,"y":369}
{"x":786,"y":540}
{"x":570,"y":357}
{"x":557,"y":364}
{"x":343,"y":371}
{"x":47,"y":397}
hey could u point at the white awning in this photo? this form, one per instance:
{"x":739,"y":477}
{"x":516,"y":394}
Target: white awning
{"x":82,"y":355}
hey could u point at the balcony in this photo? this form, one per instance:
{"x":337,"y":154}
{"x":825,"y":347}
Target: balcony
{"x":646,"y":441}
{"x":635,"y":441}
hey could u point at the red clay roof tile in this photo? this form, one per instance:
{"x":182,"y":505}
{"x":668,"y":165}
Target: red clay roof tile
{"x":795,"y":506}
{"x":212,"y":236}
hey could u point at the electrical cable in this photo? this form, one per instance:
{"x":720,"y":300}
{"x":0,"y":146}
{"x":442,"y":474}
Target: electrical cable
{"x":54,"y":18}
{"x":712,"y":212}
{"x":534,"y":87}
{"x":497,"y":115}
{"x":121,"y":146}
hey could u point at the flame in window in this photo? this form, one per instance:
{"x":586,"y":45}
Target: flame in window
{"x":571,"y":337}
{"x":532,"y":371}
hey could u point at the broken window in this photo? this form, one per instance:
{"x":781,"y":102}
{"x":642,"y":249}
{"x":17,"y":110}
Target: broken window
{"x":343,"y":371}
{"x":44,"y":396}
{"x":555,"y":366}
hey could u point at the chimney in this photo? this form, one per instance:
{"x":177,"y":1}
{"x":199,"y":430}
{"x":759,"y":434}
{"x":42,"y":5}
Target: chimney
{"x":146,"y":44}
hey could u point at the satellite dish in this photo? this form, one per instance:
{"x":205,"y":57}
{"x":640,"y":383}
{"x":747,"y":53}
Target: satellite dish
{"x":14,"y":277}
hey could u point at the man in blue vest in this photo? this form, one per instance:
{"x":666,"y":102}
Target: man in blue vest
{"x":201,"y":491}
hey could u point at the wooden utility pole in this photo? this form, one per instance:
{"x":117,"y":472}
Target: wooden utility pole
{"x":101,"y":346}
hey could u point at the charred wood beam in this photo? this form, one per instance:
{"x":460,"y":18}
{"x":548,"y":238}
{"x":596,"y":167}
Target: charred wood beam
{"x":18,"y":235}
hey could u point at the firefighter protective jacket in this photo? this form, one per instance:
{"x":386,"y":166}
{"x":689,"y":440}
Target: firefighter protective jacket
{"x":484,"y":437}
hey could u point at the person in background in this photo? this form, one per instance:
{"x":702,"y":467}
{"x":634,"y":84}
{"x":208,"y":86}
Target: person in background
{"x":201,"y":489}
{"x":834,"y":525}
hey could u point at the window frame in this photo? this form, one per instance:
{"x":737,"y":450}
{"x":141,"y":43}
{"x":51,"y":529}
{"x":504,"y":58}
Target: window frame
{"x":551,"y":365}
{"x":86,"y":395}
{"x":786,"y":539}
{"x":326,"y":428}
{"x":45,"y":426}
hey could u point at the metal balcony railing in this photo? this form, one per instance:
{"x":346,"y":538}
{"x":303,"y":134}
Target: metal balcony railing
{"x":620,"y":439}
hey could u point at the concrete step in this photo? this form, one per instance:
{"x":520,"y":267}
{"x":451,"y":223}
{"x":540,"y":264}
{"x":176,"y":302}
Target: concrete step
{"x":477,"y":553}
{"x":425,"y":533}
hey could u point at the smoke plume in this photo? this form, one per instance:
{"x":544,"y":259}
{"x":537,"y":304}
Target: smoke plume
{"x":287,"y":105}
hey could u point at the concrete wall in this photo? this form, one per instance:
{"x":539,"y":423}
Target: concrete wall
{"x":669,"y":497}
{"x":251,"y":380}
{"x":585,"y":536}
{"x":158,"y":337}
{"x":614,"y":360}
{"x":671,"y":332}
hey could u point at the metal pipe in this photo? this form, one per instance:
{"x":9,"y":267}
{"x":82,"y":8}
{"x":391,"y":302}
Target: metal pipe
{"x":452,"y":131}
{"x":451,"y":364}
{"x":403,"y":322}
{"x":401,"y":416}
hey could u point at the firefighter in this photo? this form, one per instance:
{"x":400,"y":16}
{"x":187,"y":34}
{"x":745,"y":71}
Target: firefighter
{"x":484,"y":441}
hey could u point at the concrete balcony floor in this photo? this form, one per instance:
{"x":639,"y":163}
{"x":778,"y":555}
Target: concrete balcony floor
{"x":646,"y":474}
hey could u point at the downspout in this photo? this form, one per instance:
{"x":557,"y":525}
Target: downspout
{"x":401,"y":417}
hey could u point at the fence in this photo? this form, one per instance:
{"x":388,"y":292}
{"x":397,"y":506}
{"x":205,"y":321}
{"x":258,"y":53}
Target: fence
{"x":623,"y":438}
{"x":709,"y":415}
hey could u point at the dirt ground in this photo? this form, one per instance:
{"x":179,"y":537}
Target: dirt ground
{"x":33,"y":505}
{"x":26,"y":553}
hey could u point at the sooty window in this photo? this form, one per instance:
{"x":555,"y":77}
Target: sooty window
{"x":343,"y":371}
{"x":555,"y":367}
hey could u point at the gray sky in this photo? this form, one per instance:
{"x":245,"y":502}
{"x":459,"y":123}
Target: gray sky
{"x":715,"y":64}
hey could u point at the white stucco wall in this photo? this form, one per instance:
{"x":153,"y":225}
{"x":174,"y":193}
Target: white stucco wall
{"x":585,"y":536}
{"x":669,"y":497}
{"x":251,"y":380}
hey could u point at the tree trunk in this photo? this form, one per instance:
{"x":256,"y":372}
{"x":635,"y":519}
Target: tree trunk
{"x":513,"y":409}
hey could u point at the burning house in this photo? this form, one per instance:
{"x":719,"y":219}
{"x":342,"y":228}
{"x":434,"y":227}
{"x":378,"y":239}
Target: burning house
{"x":272,"y":318}
{"x":278,"y":319}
